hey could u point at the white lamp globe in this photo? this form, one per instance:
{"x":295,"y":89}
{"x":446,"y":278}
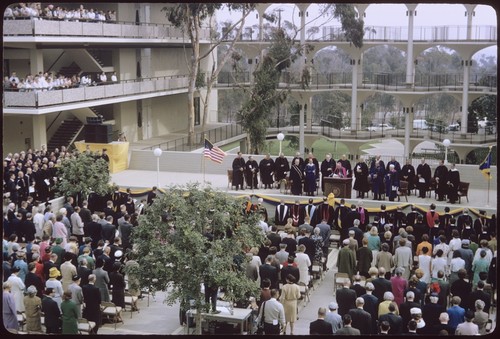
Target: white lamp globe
{"x":446,"y":142}
{"x":280,"y":136}
{"x":157,"y":152}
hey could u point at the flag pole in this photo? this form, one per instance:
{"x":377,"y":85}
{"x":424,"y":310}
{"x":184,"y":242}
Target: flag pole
{"x":203,"y":165}
{"x":488,"y":199}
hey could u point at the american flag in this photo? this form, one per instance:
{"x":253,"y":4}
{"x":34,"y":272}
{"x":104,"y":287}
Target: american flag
{"x":214,"y":153}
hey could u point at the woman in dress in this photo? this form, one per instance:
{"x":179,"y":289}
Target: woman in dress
{"x":438,"y":263}
{"x":290,"y":294}
{"x":424,"y":263}
{"x":479,"y":265}
{"x":318,"y":245}
{"x":69,"y":315}
{"x":310,"y":174}
{"x":17,"y":288}
{"x":9,"y":311}
{"x":117,"y":284}
{"x":33,"y":305}
{"x":374,"y":243}
{"x":303,"y":262}
{"x":455,"y":265}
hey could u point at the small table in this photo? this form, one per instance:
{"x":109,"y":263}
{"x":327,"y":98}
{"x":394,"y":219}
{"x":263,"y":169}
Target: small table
{"x":239,"y":316}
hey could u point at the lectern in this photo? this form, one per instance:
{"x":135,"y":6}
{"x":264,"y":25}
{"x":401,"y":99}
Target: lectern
{"x":340,"y":187}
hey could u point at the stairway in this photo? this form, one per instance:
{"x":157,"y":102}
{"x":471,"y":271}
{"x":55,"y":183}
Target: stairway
{"x":64,"y":134}
{"x":69,"y":71}
{"x":100,"y":56}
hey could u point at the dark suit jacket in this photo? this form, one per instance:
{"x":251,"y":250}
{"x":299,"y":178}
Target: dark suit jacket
{"x":361,"y":320}
{"x":33,"y":279}
{"x":92,"y":299}
{"x":51,"y":313}
{"x":108,"y":232}
{"x":478,"y":294}
{"x":289,"y":269}
{"x":395,"y":321}
{"x":346,"y":299}
{"x":275,"y":239}
{"x":94,"y":230}
{"x":320,"y":326}
{"x":381,"y":286}
{"x":348,"y":331}
{"x":270,"y":272}
{"x":83,"y":273}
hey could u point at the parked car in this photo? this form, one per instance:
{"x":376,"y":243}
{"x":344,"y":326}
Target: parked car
{"x":420,"y":124}
{"x":454,"y":127}
{"x":380,"y":127}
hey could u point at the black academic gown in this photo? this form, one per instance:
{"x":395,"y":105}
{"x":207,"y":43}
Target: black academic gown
{"x":297,"y":178}
{"x":326,"y":169}
{"x":281,"y":166}
{"x":266,"y":167}
{"x":361,"y":178}
{"x":453,"y":185}
{"x":441,"y":173}
{"x":238,"y":170}
{"x":251,"y":171}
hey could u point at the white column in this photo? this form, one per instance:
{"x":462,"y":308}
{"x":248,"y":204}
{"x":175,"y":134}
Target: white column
{"x":36,"y":61}
{"x":39,"y":131}
{"x":409,"y":55}
{"x":408,"y":127}
{"x":301,"y":127}
{"x":465,"y":95}
{"x":309,"y":114}
{"x":354,"y":95}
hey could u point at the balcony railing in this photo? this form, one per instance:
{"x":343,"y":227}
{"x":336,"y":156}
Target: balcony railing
{"x":378,"y":81}
{"x":116,"y":29}
{"x":45,"y":98}
{"x":388,"y":33}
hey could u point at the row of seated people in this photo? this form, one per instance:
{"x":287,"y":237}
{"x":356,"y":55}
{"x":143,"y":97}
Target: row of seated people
{"x":35,"y":10}
{"x":47,"y":81}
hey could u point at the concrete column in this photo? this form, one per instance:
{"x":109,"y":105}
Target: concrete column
{"x":301,"y":126}
{"x":36,"y":61}
{"x":409,"y":55}
{"x":39,"y":131}
{"x":465,"y":96}
{"x":243,"y":146}
{"x":408,"y":128}
{"x":309,"y":114}
{"x":470,"y":13}
{"x":354,"y":95}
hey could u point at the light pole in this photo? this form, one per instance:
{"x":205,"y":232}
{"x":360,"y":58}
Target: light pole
{"x":446,"y":144}
{"x":157,"y":152}
{"x":280,"y":137}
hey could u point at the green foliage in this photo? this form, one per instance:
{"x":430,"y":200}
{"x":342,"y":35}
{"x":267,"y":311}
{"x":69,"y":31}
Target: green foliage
{"x":174,"y":253}
{"x":83,"y":174}
{"x":485,"y":106}
{"x":352,"y":27}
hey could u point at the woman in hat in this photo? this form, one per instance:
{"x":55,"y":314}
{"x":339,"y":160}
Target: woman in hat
{"x":33,"y":305}
{"x":55,"y":284}
{"x":69,"y":315}
{"x":9,"y":310}
{"x":17,"y":288}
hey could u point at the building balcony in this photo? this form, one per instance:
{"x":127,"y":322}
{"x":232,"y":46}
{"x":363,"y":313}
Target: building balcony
{"x":21,"y":30}
{"x":28,"y":101}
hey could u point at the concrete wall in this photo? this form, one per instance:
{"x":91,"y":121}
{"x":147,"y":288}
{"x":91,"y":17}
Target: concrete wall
{"x":169,"y":61}
{"x":15,"y":130}
{"x":168,"y":114}
{"x":126,"y":119}
{"x":125,"y":63}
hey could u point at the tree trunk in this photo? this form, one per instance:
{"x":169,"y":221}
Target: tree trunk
{"x":194,"y":34}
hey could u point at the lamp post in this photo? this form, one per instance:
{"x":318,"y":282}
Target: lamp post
{"x":157,"y":152}
{"x":446,"y":144}
{"x":280,"y":137}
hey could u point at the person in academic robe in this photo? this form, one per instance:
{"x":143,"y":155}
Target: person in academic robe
{"x":423,"y":178}
{"x":327,"y":167}
{"x":440,"y":176}
{"x":361,"y":177}
{"x":297,"y":178}
{"x":281,"y":166}
{"x":374,"y":161}
{"x":377,"y":178}
{"x":394,"y":162}
{"x":301,"y":160}
{"x":281,"y":214}
{"x":297,"y":214}
{"x":251,"y":170}
{"x":340,"y":219}
{"x":310,"y":172}
{"x":266,"y":167}
{"x":392,"y":182}
{"x":310,"y":155}
{"x":363,"y":216}
{"x":339,"y":171}
{"x":408,"y":174}
{"x":238,"y":171}
{"x":310,"y":211}
{"x":347,"y":165}
{"x":324,"y":212}
{"x":453,"y":182}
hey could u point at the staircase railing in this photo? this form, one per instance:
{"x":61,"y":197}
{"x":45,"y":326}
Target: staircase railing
{"x":75,"y":136}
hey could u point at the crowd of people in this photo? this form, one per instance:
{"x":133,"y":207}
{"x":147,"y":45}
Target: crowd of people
{"x":48,"y":81}
{"x":35,"y":10}
{"x":31,"y":175}
{"x":417,"y":272}
{"x":67,"y":262}
{"x":304,"y":176}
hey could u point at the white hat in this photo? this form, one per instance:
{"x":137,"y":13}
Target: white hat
{"x":345,"y":242}
{"x":118,"y":254}
{"x":415,"y":310}
{"x":333,"y":305}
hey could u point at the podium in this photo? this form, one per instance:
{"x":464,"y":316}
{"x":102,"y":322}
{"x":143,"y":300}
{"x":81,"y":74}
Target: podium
{"x":340,"y":187}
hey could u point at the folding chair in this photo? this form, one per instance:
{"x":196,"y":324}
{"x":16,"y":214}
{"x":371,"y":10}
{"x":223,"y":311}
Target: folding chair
{"x":304,"y":292}
{"x":339,"y":280}
{"x":131,"y":301}
{"x":112,"y":312}
{"x":85,"y":326}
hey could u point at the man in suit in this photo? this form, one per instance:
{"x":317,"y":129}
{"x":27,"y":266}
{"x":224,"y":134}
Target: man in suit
{"x":83,"y":272}
{"x":125,"y":230}
{"x":94,"y":230}
{"x":371,"y":303}
{"x":405,"y":307}
{"x":395,"y":321}
{"x":325,"y":232}
{"x":274,"y":237}
{"x":267,"y":270}
{"x":51,"y":312}
{"x":108,"y":230}
{"x":381,"y":285}
{"x":152,"y":195}
{"x":281,"y":214}
{"x":361,"y":319}
{"x":346,"y":298}
{"x":479,"y":294}
{"x":320,"y":326}
{"x":348,"y":329}
{"x":92,"y":299}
